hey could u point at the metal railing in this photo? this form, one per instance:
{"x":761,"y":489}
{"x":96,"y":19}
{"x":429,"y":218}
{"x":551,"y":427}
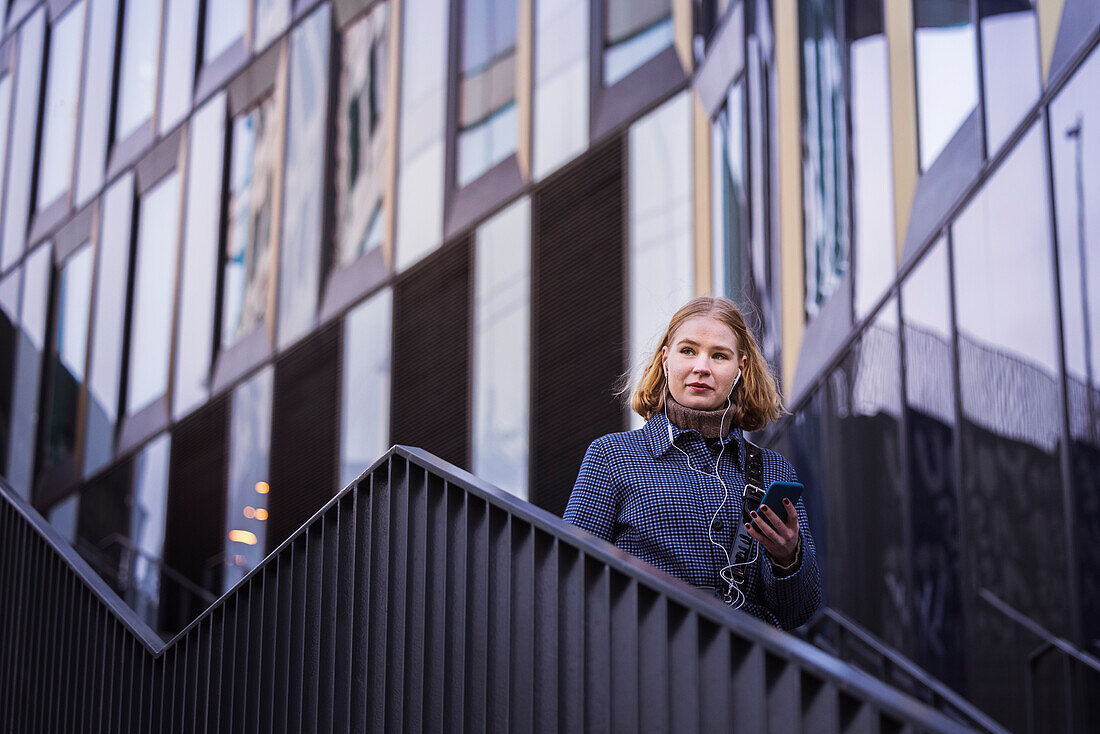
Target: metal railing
{"x":419,"y":598}
{"x":1075,"y":664}
{"x":835,"y":633}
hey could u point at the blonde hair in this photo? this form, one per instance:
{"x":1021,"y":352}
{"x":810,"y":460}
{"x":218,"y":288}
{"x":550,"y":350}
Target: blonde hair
{"x":756,"y":400}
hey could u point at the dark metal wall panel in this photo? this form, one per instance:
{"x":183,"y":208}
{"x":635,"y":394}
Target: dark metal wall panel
{"x":579,"y":322}
{"x":304,"y":433}
{"x":194,"y":535}
{"x":453,"y":606}
{"x":431,"y":355}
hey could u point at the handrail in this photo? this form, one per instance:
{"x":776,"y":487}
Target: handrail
{"x":179,"y":578}
{"x":957,"y":705}
{"x":418,"y":595}
{"x":1050,"y":643}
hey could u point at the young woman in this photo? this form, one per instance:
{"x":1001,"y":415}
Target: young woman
{"x":671,"y":491}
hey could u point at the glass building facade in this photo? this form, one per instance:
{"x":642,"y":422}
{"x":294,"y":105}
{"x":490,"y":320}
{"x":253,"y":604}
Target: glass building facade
{"x":247,"y":246}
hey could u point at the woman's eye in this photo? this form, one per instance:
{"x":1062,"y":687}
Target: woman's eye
{"x":720,"y":356}
{"x":685,"y":350}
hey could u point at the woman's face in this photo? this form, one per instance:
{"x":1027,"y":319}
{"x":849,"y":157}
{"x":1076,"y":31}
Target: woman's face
{"x":702,"y":363}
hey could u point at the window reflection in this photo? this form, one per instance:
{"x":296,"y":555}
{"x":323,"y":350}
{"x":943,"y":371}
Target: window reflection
{"x":930,"y":422}
{"x":825,"y":153}
{"x":423,"y":94}
{"x":300,"y":254}
{"x":249,"y":453}
{"x":256,"y":147}
{"x":154,"y":287}
{"x":1010,"y":65}
{"x":28,"y":365}
{"x":661,"y":253}
{"x":502,"y":277}
{"x":105,"y":363}
{"x":635,"y":31}
{"x":872,"y":151}
{"x":199,"y":258}
{"x":9,"y":340}
{"x":365,"y":402}
{"x":947,"y":75}
{"x":1075,"y":149}
{"x":59,"y":117}
{"x":361,"y":136}
{"x":270,"y":19}
{"x":488,"y":123}
{"x":1010,"y":397}
{"x":138,"y":73}
{"x":98,"y":71}
{"x":63,"y":516}
{"x":146,"y":531}
{"x":5,"y":116}
{"x":23,"y":131}
{"x":226,"y":21}
{"x":178,"y":83}
{"x":66,"y":370}
{"x":729,"y":175}
{"x":561,"y":83}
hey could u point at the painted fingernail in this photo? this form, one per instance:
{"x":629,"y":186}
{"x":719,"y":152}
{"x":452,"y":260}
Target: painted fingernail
{"x":752,"y":515}
{"x":748,"y":526}
{"x":787,"y":502}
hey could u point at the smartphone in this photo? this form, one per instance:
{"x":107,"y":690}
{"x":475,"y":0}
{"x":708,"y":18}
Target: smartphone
{"x":777,"y":492}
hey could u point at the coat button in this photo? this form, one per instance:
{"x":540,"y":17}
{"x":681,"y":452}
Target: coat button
{"x":717,"y":524}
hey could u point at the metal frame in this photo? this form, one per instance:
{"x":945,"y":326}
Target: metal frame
{"x":419,"y":597}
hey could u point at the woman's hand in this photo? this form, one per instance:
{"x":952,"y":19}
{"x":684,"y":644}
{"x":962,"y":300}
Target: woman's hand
{"x":779,"y":539}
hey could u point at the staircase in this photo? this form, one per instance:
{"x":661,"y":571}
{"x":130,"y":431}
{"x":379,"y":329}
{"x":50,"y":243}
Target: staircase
{"x":418,"y":599}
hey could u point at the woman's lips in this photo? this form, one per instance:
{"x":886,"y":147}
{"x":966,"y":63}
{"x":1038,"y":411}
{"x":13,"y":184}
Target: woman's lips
{"x":695,"y":387}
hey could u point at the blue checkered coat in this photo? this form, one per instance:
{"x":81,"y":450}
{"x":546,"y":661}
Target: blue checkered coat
{"x":635,"y":490}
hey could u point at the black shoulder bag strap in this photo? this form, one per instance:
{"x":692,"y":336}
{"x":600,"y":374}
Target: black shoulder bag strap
{"x":750,"y":500}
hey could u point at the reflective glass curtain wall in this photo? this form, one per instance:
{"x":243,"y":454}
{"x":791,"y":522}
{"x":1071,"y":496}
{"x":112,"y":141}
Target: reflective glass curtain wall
{"x":365,"y":395}
{"x":561,"y":83}
{"x":945,"y":48}
{"x":488,"y":120}
{"x":730,"y":208}
{"x":825,"y":152}
{"x":361,"y":142}
{"x":634,"y":32}
{"x":55,"y":168}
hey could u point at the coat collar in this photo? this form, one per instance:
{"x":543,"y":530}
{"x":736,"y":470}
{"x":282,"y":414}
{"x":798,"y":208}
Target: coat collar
{"x":656,"y":435}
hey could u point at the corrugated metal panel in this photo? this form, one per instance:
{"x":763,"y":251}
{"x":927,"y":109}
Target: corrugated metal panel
{"x":579,"y":321}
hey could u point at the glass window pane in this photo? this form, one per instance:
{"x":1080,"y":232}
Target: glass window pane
{"x":137,"y":93}
{"x":199,"y":258}
{"x":300,"y":254}
{"x":1075,"y":149}
{"x":824,"y":153}
{"x":365,"y":409}
{"x":24,"y":130}
{"x":63,"y":517}
{"x":765,"y":261}
{"x":488,"y":123}
{"x":872,"y":170}
{"x":502,"y":314}
{"x":154,"y":281}
{"x":55,"y":170}
{"x":98,"y":71}
{"x":9,"y":340}
{"x":729,"y":211}
{"x":178,"y":84}
{"x":947,"y":74}
{"x":661,"y":245}
{"x":635,"y":32}
{"x":147,"y":523}
{"x":105,"y":365}
{"x":1012,"y":420}
{"x":1010,"y":65}
{"x":73,"y":298}
{"x":930,"y":424}
{"x":226,"y":21}
{"x":256,"y":146}
{"x":28,"y":368}
{"x":249,"y":454}
{"x":420,"y":158}
{"x":271,"y":19}
{"x":361,"y":141}
{"x":561,"y":83}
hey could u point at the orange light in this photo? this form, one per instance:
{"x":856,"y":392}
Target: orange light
{"x":242,"y":536}
{"x":239,"y":560}
{"x":249,"y":512}
{"x":261,"y":514}
{"x":262,"y":487}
